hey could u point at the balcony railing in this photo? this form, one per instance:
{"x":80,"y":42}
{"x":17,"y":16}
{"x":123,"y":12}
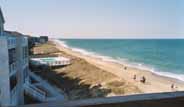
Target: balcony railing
{"x":14,"y":95}
{"x":13,"y":68}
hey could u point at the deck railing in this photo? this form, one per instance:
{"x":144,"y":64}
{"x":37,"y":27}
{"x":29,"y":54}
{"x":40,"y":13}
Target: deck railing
{"x":171,"y":99}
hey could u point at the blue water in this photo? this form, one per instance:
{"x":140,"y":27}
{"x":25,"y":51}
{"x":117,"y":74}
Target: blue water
{"x":162,"y":55}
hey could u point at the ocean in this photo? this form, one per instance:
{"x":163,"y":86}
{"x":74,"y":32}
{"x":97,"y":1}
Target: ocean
{"x":161,"y":56}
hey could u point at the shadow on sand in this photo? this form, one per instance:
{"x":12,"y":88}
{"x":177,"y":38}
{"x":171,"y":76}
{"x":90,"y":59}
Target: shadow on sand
{"x":73,"y":87}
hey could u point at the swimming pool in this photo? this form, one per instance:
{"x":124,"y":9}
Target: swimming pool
{"x":51,"y":61}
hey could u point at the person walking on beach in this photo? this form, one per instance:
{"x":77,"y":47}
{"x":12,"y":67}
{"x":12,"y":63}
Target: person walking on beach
{"x":173,"y":87}
{"x":143,"y":79}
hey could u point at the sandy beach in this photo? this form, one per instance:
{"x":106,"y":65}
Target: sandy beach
{"x":80,"y":79}
{"x":154,"y":83}
{"x":92,"y":77}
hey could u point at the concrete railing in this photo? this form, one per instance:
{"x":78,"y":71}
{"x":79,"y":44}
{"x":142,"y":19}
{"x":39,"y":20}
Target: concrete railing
{"x":172,"y":99}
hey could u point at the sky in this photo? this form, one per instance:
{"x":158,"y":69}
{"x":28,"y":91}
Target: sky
{"x":96,"y":18}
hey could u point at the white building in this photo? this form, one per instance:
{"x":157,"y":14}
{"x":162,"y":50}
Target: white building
{"x":15,"y":77}
{"x":13,"y":66}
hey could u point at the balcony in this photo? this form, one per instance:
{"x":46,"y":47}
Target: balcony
{"x":12,"y":40}
{"x":13,"y":66}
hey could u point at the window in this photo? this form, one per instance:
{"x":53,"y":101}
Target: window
{"x":12,"y":56}
{"x":25,"y":52}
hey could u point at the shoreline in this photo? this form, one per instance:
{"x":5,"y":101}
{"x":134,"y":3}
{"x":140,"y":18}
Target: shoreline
{"x":124,"y":61}
{"x":155,"y":82}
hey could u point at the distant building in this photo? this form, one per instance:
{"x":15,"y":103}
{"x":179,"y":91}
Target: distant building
{"x":33,"y":41}
{"x":43,"y":39}
{"x":37,"y":40}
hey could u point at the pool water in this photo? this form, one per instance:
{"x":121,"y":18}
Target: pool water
{"x":48,"y":60}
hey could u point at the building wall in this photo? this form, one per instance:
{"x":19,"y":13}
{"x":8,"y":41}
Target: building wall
{"x":4,"y":73}
{"x":21,"y":54}
{"x":20,"y":69}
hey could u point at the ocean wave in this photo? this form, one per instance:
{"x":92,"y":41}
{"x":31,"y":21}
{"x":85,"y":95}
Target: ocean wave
{"x":122,"y":61}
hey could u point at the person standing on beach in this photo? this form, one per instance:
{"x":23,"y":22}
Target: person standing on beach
{"x":134,"y":77}
{"x":125,"y":68}
{"x":173,"y":86}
